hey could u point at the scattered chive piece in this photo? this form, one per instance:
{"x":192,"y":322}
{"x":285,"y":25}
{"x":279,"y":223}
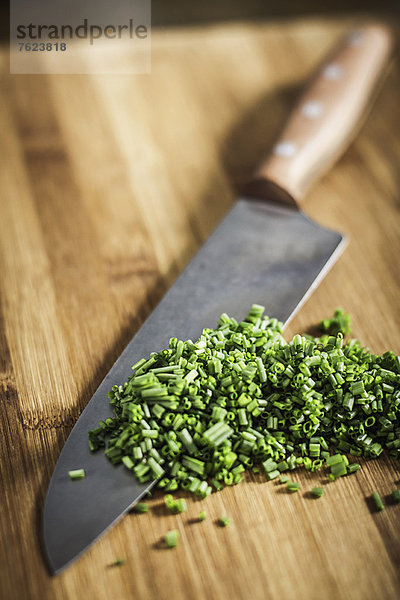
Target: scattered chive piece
{"x":202,"y":516}
{"x":282,"y":466}
{"x":339,"y":465}
{"x":77,"y":474}
{"x":284,"y":479}
{"x":169,"y":501}
{"x":118,"y":563}
{"x":334,"y":460}
{"x":396,"y":496}
{"x":377,"y":500}
{"x":224,"y":521}
{"x":175,"y":506}
{"x":273,"y":474}
{"x":172,"y":538}
{"x":141,"y":507}
{"x":198,"y":414}
{"x":318,"y":492}
{"x":353,"y":468}
{"x":338,"y":470}
{"x":181,"y":505}
{"x":293,"y":486}
{"x":339,"y":323}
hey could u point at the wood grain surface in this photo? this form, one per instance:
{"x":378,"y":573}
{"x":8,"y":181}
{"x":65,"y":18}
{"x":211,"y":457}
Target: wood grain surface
{"x":109,"y":184}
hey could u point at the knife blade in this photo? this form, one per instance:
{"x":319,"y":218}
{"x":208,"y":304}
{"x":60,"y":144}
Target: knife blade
{"x":265,"y":250}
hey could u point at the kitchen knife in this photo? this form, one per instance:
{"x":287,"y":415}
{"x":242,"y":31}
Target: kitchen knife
{"x":265,"y":251}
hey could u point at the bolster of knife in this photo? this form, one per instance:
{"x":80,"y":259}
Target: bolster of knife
{"x":326,"y":116}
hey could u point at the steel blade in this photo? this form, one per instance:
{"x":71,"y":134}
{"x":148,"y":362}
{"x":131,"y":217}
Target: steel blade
{"x":260,"y":253}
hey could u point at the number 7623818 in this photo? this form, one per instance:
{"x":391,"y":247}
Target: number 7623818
{"x":42,"y":46}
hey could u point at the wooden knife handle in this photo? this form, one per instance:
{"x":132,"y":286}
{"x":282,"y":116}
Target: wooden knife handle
{"x":325,"y":116}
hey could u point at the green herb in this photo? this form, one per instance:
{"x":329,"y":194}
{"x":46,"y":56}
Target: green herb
{"x":202,"y":516}
{"x":181,"y":505}
{"x":282,"y":466}
{"x":377,"y":501}
{"x":172,"y":538}
{"x":339,"y":469}
{"x":224,"y":521}
{"x":353,"y":468}
{"x":198,"y":414}
{"x":339,"y":323}
{"x":293,"y":486}
{"x":175,"y":506}
{"x":141,"y":507}
{"x":396,"y":496}
{"x":284,"y":479}
{"x":77,"y":474}
{"x":118,"y":563}
{"x":317,"y":492}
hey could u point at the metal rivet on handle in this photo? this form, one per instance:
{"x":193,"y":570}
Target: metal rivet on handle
{"x":333,"y":72}
{"x":312,"y":109}
{"x":285,"y":149}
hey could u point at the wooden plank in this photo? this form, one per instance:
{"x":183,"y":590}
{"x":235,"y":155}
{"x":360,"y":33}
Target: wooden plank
{"x":109,"y":185}
{"x":39,"y":356}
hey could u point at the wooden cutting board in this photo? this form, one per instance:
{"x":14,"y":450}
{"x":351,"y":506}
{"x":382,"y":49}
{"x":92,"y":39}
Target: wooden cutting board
{"x":109,"y":184}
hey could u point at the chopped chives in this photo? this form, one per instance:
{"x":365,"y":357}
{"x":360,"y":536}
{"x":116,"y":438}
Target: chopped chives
{"x":217,"y":434}
{"x":169,"y":500}
{"x":172,"y":538}
{"x":181,"y":505}
{"x":338,"y":470}
{"x":333,"y":460}
{"x":157,"y":470}
{"x":200,"y":413}
{"x":284,"y":479}
{"x":194,"y":464}
{"x":118,"y":562}
{"x":317,"y":492}
{"x":269,"y":465}
{"x":187,"y":440}
{"x":128,"y":462}
{"x":141,"y":507}
{"x":293,"y":486}
{"x":339,"y":323}
{"x":282,"y":466}
{"x":77,"y":474}
{"x":202,"y":516}
{"x":273,"y":474}
{"x":175,"y":506}
{"x":377,"y":501}
{"x":396,"y":496}
{"x":224,"y":521}
{"x":353,"y":468}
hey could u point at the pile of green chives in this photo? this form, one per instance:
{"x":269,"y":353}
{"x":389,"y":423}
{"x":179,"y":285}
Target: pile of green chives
{"x":198,"y":414}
